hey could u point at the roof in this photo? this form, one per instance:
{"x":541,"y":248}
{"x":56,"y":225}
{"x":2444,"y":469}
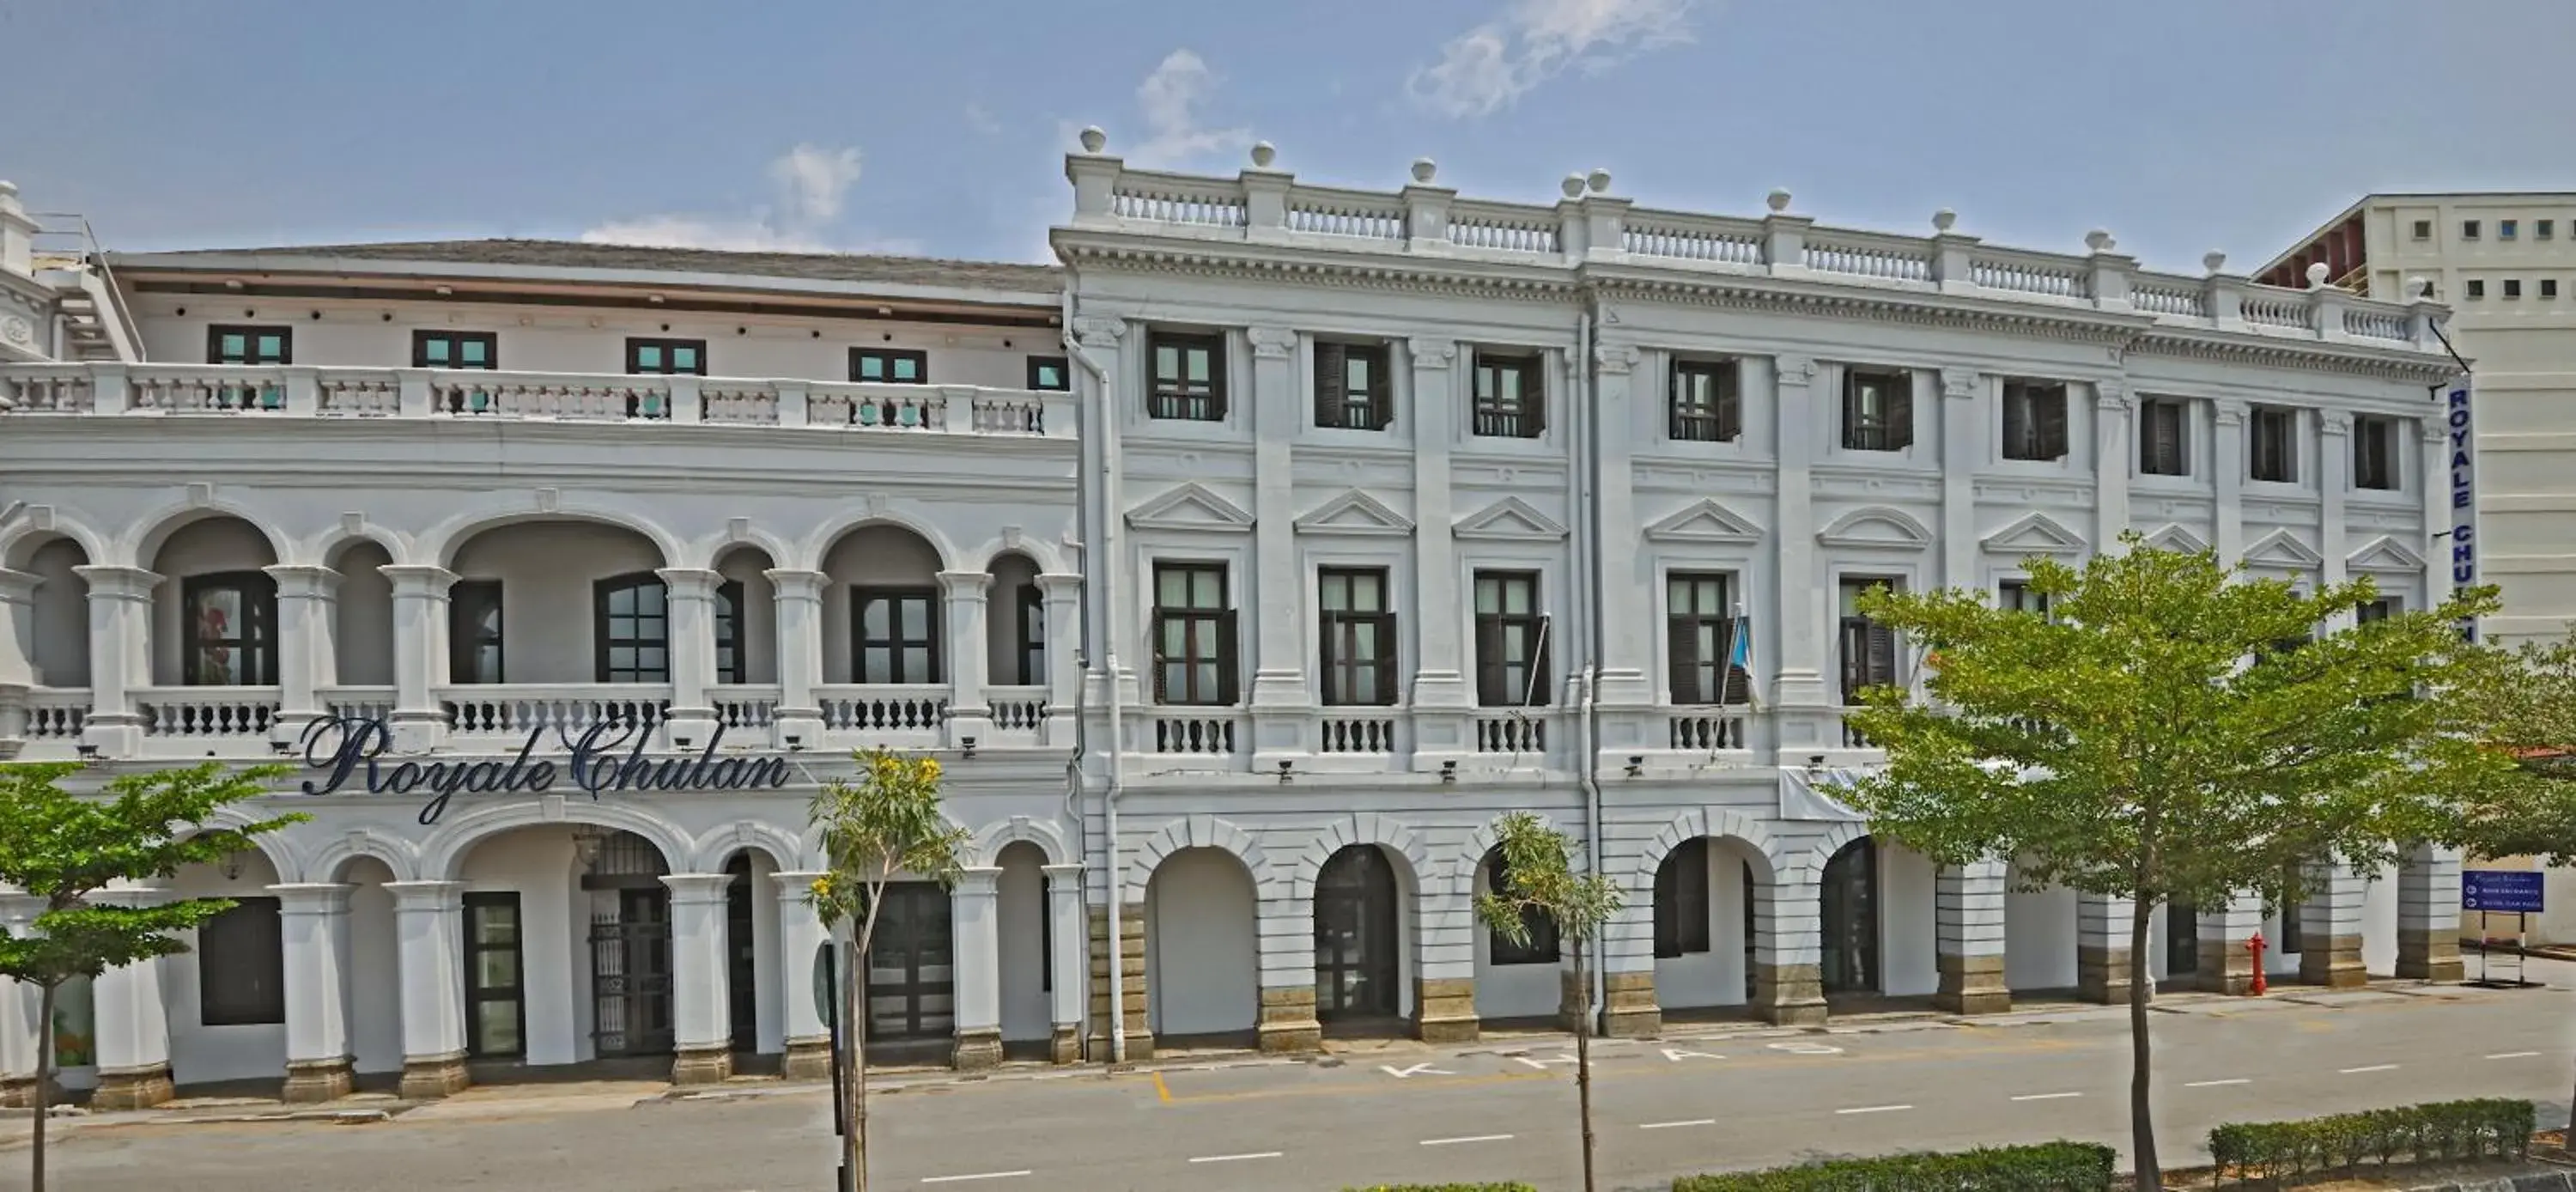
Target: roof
{"x":511,"y":254}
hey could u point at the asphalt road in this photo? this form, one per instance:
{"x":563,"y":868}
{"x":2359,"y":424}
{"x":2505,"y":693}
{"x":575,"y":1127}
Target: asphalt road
{"x":1495,"y":1111}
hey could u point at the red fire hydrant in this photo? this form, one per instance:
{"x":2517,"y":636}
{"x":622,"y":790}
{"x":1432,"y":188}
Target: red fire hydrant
{"x":2255,"y":946}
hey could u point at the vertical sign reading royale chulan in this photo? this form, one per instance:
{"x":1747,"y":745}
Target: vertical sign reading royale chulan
{"x":2460,"y":435}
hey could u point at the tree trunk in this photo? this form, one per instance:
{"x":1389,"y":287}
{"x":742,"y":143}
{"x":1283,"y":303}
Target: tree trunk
{"x":44,"y":1078}
{"x":2142,"y":1123}
{"x":854,"y":1003}
{"x":1583,"y":1057}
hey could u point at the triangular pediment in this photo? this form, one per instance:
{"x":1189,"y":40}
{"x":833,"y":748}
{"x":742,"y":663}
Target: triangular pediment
{"x":1190,"y":507}
{"x":2282,"y":549}
{"x":1877,"y":526}
{"x":1511,"y":519}
{"x":2037,"y":534}
{"x":2176,"y":538}
{"x":1354,"y":512}
{"x":1708,"y":521}
{"x":2384,"y":555}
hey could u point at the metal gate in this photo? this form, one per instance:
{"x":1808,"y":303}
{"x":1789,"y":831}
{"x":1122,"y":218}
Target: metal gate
{"x":630,"y":976}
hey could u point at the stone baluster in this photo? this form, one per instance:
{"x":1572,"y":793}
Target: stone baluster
{"x":701,"y":988}
{"x":799,"y":719}
{"x":314,"y":925}
{"x":429,"y":935}
{"x":120,"y":655}
{"x":420,"y":654}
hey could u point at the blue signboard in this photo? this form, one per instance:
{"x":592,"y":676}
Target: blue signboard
{"x":2501,"y":891}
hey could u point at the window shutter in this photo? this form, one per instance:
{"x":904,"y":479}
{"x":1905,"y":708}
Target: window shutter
{"x":2016,"y":418}
{"x":1900,"y":414}
{"x":1533,"y":400}
{"x":1330,"y":369}
{"x":1855,"y":656}
{"x":1882,"y":655}
{"x":1162,"y":692}
{"x":1381,"y":390}
{"x":1216,"y":379}
{"x":1489,"y":661}
{"x":1386,"y":659}
{"x":1228,"y":661}
{"x":1851,"y":412}
{"x":1682,"y":642}
{"x":2052,"y":423}
{"x":1730,"y":406}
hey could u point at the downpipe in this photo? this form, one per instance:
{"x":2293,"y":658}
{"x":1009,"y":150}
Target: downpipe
{"x":1114,"y":879}
{"x":1588,"y":733}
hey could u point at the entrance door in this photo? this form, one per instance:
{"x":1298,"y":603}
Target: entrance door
{"x":740,"y":982}
{"x":496,"y":1014}
{"x":630,"y":976}
{"x":2182,"y":939}
{"x":1849,"y":902}
{"x":1355,"y":936}
{"x":910,"y":973}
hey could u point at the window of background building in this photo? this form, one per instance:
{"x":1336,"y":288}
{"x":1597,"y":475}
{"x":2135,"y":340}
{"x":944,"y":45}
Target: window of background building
{"x":1878,"y":410}
{"x":1539,"y":942}
{"x":455,"y":349}
{"x":2161,"y":442}
{"x":474,"y":631}
{"x":1510,"y":397}
{"x":2034,"y":420}
{"x":2477,"y":288}
{"x":631,"y":622}
{"x":1868,"y":648}
{"x":2273,"y":442}
{"x":891,"y":366}
{"x":1194,"y":635}
{"x":1050,"y":373}
{"x":2513,"y":287}
{"x":2423,"y":229}
{"x":1699,"y":631}
{"x":1681,"y":900}
{"x":2468,"y":229}
{"x":666,"y":357}
{"x":2506,"y":228}
{"x":897,"y":631}
{"x":2548,"y":287}
{"x":1511,"y":641}
{"x":1706,"y":405}
{"x":1358,"y":632}
{"x":250,"y":345}
{"x":2374,"y":452}
{"x":241,"y":965}
{"x":2543,"y":229}
{"x":1352,"y":386}
{"x":1188,"y":379}
{"x":228,"y":632}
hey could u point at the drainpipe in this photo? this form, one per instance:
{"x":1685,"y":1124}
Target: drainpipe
{"x":1588,"y":735}
{"x":1107,"y":592}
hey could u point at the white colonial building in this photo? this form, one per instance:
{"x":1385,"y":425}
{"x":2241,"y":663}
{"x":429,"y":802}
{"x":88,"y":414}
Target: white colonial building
{"x":1340,"y":524}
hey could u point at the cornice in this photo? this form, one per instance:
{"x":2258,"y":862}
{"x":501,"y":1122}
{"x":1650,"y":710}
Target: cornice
{"x":2349,"y":359}
{"x":1251,"y":262}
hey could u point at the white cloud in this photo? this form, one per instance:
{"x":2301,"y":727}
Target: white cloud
{"x":690,"y":231}
{"x":1486,"y":68}
{"x":981,"y":120}
{"x":811,"y":184}
{"x":1171,"y":99}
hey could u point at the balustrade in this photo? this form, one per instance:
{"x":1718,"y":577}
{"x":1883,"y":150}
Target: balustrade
{"x":1681,"y":237}
{"x":1356,"y":734}
{"x":1706,"y":731}
{"x":1512,"y":732}
{"x":57,"y":713}
{"x":744,"y":707}
{"x":1019,"y":713}
{"x":358,"y":703}
{"x":870,"y":714}
{"x":207,"y":713}
{"x":1207,"y":736}
{"x":567,"y":709}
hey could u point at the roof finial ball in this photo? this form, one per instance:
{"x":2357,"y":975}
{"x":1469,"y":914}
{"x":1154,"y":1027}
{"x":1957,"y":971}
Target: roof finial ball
{"x":1779,"y":200}
{"x":2317,"y":275}
{"x":2099,"y":240}
{"x":1599,"y":181}
{"x":1424,"y":170}
{"x":2213,"y":261}
{"x":1094,"y":140}
{"x":1573,"y":187}
{"x":1264,"y":153}
{"x":1944,"y":219}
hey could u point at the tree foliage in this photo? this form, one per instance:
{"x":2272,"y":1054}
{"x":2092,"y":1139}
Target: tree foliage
{"x":2528,"y":700}
{"x":1539,"y":863}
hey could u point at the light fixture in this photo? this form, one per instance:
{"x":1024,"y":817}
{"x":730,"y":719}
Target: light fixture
{"x":655,"y":299}
{"x":967,"y":744}
{"x":586,"y":839}
{"x":680,"y":741}
{"x":445,"y":291}
{"x":795,"y":743}
{"x":1815,"y":763}
{"x":88,"y":752}
{"x":281,"y":748}
{"x":1449,"y":771}
{"x":231,"y":866}
{"x":1636,"y":765}
{"x":1284,"y":775}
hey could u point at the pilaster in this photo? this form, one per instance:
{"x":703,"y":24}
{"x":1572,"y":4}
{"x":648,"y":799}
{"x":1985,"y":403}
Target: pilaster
{"x":689,"y":593}
{"x":420,"y":654}
{"x":2334,"y":471}
{"x":2103,"y":927}
{"x":1129,"y":955}
{"x":1066,"y":964}
{"x":964,"y":593}
{"x":1964,"y":447}
{"x":2113,"y":460}
{"x":120,"y":655}
{"x":1285,"y":949}
{"x":1440,"y":696}
{"x":701,"y":1018}
{"x":2226,"y":965}
{"x":801,"y":941}
{"x":799,"y":719}
{"x":2227,"y":453}
{"x":1278,"y":694}
{"x":1788,"y":967}
{"x":2330,"y":926}
{"x":132,"y":1022}
{"x":1968,"y":921}
{"x":1798,"y":689}
{"x":314,"y":921}
{"x":1063,"y":595}
{"x":1626,"y":605}
{"x":974,"y":925}
{"x":429,"y":936}
{"x":2428,"y":914}
{"x":18,"y":627}
{"x":307,"y":639}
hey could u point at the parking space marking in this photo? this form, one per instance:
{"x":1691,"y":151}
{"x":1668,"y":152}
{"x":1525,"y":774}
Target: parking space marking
{"x":2046,"y":1096}
{"x":2211,"y":1084}
{"x":1469,"y":1138}
{"x":2371,"y":1068}
{"x":1876,"y":1109}
{"x":1236,"y":1158}
{"x":959,"y":1179}
{"x":1676,"y":1125}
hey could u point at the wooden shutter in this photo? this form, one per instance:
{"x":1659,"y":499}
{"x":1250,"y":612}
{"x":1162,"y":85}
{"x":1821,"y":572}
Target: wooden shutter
{"x":1900,"y":412}
{"x":1228,"y":659}
{"x":1882,"y":655}
{"x":1682,"y":642}
{"x":2017,"y":399}
{"x":1851,"y":411}
{"x":1330,"y":369}
{"x":2052,"y":422}
{"x":1386,"y":658}
{"x":1381,"y":392}
{"x":1730,"y":406}
{"x":1533,"y":399}
{"x":1855,"y":655}
{"x":1489,"y":660}
{"x":1162,"y":692}
{"x":1537,"y":690}
{"x":1215,"y":348}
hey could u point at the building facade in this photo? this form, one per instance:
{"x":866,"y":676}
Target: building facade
{"x":1241,"y":573}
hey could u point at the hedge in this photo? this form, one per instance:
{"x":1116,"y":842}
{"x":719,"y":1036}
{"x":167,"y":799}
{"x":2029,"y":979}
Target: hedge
{"x":2048,"y":1167}
{"x":1444,"y":1188}
{"x":2270,"y":1152}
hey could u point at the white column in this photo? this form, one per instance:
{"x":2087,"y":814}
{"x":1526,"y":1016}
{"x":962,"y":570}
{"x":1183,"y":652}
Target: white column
{"x":1440,"y":696}
{"x":2334,"y":469}
{"x":701,"y":1022}
{"x":1068,"y":965}
{"x":799,"y":719}
{"x":2102,"y":938}
{"x":1284,"y":951}
{"x":2225,"y":964}
{"x":1275,"y":595}
{"x":1803,"y":614}
{"x":1964,"y":448}
{"x":965,"y":631}
{"x":2227,"y":456}
{"x":1968,"y":924}
{"x":1063,"y":593}
{"x":132,"y":1023}
{"x":308,"y":630}
{"x":2428,"y":914}
{"x":420,"y":654}
{"x":1788,"y":946}
{"x":2112,"y":460}
{"x":120,"y":655}
{"x":429,"y":932}
{"x":800,"y":940}
{"x":690,"y":595}
{"x":976,"y":956}
{"x":17,"y":660}
{"x":1627,"y":610}
{"x":314,"y":922}
{"x":2330,"y":925}
{"x":20,"y":1004}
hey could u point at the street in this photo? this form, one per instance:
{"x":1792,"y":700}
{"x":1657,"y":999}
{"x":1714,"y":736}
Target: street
{"x":1497,"y":1110}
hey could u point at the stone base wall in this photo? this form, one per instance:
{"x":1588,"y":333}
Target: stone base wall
{"x":18,"y":1092}
{"x":1064,"y":1046}
{"x":976,"y":1050}
{"x":807,"y":1059}
{"x":1973,"y":985}
{"x":2429,"y":954}
{"x":702,"y":1065}
{"x":133,"y":1088}
{"x":1288,"y":1022}
{"x":2225,"y":967}
{"x":1131,"y":969}
{"x":308,"y":1081}
{"x":432,"y":1077}
{"x":2332,"y":961}
{"x":1444,"y":1010}
{"x":2102,"y":974}
{"x":1629,"y":1010}
{"x":1790,"y":994}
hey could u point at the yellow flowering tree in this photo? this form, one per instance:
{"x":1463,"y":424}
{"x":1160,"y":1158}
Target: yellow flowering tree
{"x":884,"y":825}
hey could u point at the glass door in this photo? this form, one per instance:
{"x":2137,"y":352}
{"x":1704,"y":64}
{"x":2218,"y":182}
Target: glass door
{"x":1355,"y":936}
{"x":496,"y":1013}
{"x":910,"y":994}
{"x":1849,"y":902}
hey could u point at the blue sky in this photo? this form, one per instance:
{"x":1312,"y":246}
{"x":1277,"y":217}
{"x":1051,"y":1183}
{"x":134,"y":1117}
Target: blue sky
{"x":2181,"y":125}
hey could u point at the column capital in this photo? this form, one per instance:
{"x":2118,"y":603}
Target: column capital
{"x":965,"y":585}
{"x":127,"y":583}
{"x":426,"y":896}
{"x":1271,"y":343}
{"x":303,"y":580}
{"x":698,"y":887}
{"x":1959,"y":383}
{"x":794,"y":584}
{"x":1431,"y":353}
{"x":1614,"y":359}
{"x":1793,"y":370}
{"x":1097,"y":332}
{"x":799,"y":878}
{"x":696,"y":582}
{"x":2111,"y":395}
{"x":979,"y":881}
{"x":2334,"y":422}
{"x":2229,"y":412}
{"x":312,"y":898}
{"x":1069,"y":869}
{"x":1059,"y":584}
{"x":18,"y":587}
{"x":418,"y":579}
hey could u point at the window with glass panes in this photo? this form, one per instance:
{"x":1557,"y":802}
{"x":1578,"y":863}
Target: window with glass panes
{"x":241,"y":965}
{"x":2160,"y":438}
{"x":2273,"y":440}
{"x":228,"y":629}
{"x":2018,"y":596}
{"x":1878,"y":410}
{"x":631,"y":622}
{"x":1351,"y":390}
{"x":1868,"y":648}
{"x":893,"y":366}
{"x":1051,"y":373}
{"x":732,"y":662}
{"x":455,"y":349}
{"x":1699,"y":632}
{"x":666,"y":357}
{"x":1188,"y":377}
{"x":250,"y":346}
{"x":897,"y":635}
{"x":1511,"y":644}
{"x":1510,"y":398}
{"x":1358,"y":633}
{"x":2034,"y":420}
{"x":1194,"y":632}
{"x":2374,"y":453}
{"x":1031,"y":644}
{"x":474,"y":631}
{"x":2376,"y":610}
{"x":1705,"y":405}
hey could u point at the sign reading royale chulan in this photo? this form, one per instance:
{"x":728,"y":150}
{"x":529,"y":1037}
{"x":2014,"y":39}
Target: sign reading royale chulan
{"x":608,"y":756}
{"x":2460,"y":432}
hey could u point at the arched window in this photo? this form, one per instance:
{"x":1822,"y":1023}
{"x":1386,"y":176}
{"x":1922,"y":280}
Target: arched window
{"x":733,"y":664}
{"x":228,"y":629}
{"x":631,"y":629}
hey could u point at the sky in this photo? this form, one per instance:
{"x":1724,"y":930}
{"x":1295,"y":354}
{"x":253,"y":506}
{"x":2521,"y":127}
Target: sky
{"x":2181,"y":126}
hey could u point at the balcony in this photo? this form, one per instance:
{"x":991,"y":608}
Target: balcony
{"x":870,"y":715}
{"x":235,"y":391}
{"x":490,"y":715}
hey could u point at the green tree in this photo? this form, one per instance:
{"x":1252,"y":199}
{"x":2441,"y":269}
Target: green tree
{"x":1538,"y":868}
{"x":2170,"y":731}
{"x":62,"y":848}
{"x":886,"y":824}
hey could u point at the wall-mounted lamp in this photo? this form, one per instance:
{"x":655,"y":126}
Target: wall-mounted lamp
{"x":680,"y":741}
{"x":281,"y":748}
{"x":1284,"y":776}
{"x":231,"y":866}
{"x":1636,"y":765}
{"x":966,"y":746}
{"x":586,"y":839}
{"x":1449,"y":771}
{"x":795,"y":743}
{"x":88,"y":752}
{"x":1815,"y":762}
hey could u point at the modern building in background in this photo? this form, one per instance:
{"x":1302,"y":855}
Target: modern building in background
{"x":1241,"y":573}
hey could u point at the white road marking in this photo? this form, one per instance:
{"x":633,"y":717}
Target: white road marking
{"x":1677,"y":1055}
{"x":1408,"y":1073}
{"x":1875,"y":1109}
{"x":1232,"y":1158}
{"x":1469,"y":1138}
{"x":2046,"y":1096}
{"x":1672,"y":1125}
{"x":1542,"y":1065}
{"x":1807,"y":1048}
{"x":959,"y":1179}
{"x":2372,"y":1068}
{"x":2211,"y":1084}
{"x":2513,"y":1055}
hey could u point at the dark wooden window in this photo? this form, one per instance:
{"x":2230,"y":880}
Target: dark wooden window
{"x":228,"y":629}
{"x":1188,"y":377}
{"x":666,"y":357}
{"x":2377,"y":610}
{"x":732,"y":662}
{"x":250,"y":345}
{"x":1511,"y":641}
{"x":1195,"y":655}
{"x":1030,"y":647}
{"x":1878,"y":410}
{"x":893,"y":366}
{"x":2018,"y":596}
{"x":897,"y":633}
{"x":2274,"y":434}
{"x":1706,"y":406}
{"x":1352,"y":386}
{"x":474,"y":652}
{"x":1681,"y":900}
{"x":1541,"y":945}
{"x":455,"y":349}
{"x":1051,"y":373}
{"x":2374,"y":453}
{"x":1511,"y":397}
{"x":2034,"y":420}
{"x":1868,"y":648}
{"x":2161,"y":441}
{"x":2293,"y":934}
{"x":496,"y":1008}
{"x":1699,"y":629}
{"x":241,"y":966}
{"x":1358,"y":632}
{"x":631,"y":626}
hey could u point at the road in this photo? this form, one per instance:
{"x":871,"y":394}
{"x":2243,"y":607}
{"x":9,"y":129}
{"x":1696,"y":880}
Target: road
{"x":1664,"y":1107}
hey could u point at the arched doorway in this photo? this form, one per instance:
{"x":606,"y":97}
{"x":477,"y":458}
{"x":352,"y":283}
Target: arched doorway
{"x":1201,"y":940}
{"x":1705,"y":891}
{"x":1848,"y":906}
{"x":630,"y":944}
{"x":1358,"y":953}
